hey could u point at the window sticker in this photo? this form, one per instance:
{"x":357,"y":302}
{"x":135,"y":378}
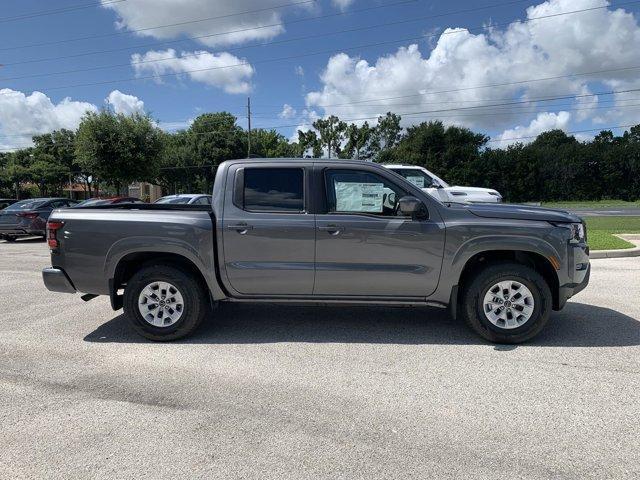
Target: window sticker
{"x":359,"y":197}
{"x":417,"y":181}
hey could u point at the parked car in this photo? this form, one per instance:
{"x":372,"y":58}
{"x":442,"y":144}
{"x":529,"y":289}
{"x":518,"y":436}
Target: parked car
{"x":186,"y":199}
{"x":5,"y":202}
{"x":321,"y":231}
{"x":434,"y":185}
{"x":93,"y":202}
{"x":27,"y":218}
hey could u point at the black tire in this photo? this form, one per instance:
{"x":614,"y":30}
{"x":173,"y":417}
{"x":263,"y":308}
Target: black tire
{"x":472,"y":308}
{"x":10,"y":239}
{"x":194,"y":296}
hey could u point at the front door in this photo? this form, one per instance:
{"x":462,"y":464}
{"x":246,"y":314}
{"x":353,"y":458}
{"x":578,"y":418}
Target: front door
{"x":365,"y":247}
{"x":268,"y":236}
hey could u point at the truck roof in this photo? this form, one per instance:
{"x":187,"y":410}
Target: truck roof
{"x":300,"y":160}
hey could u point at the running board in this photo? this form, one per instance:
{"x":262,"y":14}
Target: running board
{"x":333,"y":301}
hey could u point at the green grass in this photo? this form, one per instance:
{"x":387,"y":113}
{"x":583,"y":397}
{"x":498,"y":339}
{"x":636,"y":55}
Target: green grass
{"x":603,"y":204}
{"x":600,"y":232}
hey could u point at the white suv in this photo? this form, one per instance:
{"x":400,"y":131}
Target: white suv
{"x":440,"y":189}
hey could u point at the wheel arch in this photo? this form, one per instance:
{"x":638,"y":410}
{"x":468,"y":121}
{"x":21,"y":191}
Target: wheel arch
{"x":130,"y":263}
{"x":535,"y":260}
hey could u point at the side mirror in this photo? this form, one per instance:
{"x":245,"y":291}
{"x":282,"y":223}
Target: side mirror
{"x":412,"y":207}
{"x":435,"y":184}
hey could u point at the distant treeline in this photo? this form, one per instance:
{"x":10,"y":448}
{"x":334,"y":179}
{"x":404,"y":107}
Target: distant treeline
{"x":116,"y":150}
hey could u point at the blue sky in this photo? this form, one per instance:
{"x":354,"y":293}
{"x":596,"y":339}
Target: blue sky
{"x":363,"y":81}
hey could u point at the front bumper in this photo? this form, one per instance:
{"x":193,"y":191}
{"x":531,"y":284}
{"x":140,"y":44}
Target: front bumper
{"x":56,"y":280}
{"x":568,"y":291}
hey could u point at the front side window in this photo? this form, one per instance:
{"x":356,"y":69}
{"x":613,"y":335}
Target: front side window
{"x":352,"y":191}
{"x":274,"y":189}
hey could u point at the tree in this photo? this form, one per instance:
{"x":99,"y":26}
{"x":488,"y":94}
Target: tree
{"x":450,"y":152}
{"x":214,"y":138}
{"x":54,"y":162}
{"x":271,"y":144}
{"x":331,"y":131}
{"x":358,"y":141}
{"x":117,"y":148}
{"x":387,"y":133}
{"x":16,"y":170}
{"x":309,"y":141}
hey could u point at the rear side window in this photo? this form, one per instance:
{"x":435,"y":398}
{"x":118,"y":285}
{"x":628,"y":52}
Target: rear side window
{"x":274,"y":189}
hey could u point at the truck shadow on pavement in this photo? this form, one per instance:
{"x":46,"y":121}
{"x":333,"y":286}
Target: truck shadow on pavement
{"x":578,"y":325}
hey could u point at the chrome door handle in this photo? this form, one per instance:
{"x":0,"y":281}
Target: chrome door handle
{"x":332,"y":229}
{"x":242,"y":228}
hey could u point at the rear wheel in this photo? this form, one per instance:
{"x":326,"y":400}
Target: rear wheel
{"x":507,"y":303}
{"x":10,"y":238}
{"x":164,"y":303}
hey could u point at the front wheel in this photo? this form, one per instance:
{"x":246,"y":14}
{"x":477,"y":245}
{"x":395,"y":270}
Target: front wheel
{"x":507,"y":303}
{"x":10,"y":239}
{"x":164,"y":303}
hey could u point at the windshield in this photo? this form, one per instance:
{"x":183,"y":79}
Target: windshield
{"x":419,"y":178}
{"x":24,"y":205}
{"x":174,"y":200}
{"x":94,"y":202}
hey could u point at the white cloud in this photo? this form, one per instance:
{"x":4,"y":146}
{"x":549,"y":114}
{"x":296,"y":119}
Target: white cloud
{"x":526,"y":134}
{"x":448,"y":76}
{"x":259,"y":25}
{"x":299,"y":71}
{"x":287,"y":111}
{"x":342,"y":4}
{"x":221,"y":70}
{"x":22,"y":115}
{"x":123,"y":103}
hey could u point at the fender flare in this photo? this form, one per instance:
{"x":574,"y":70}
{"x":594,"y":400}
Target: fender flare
{"x":162,"y":245}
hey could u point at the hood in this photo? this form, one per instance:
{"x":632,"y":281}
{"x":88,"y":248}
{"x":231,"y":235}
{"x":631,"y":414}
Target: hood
{"x":521,"y":212}
{"x":472,"y":189}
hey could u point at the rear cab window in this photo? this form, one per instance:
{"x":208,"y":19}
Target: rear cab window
{"x":275,"y":190}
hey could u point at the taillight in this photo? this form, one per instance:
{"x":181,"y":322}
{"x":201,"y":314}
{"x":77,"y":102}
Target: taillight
{"x":52,"y":233}
{"x":30,"y":215}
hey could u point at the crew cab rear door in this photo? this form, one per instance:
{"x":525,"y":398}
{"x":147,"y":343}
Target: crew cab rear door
{"x":364,"y":246}
{"x":268,"y":234}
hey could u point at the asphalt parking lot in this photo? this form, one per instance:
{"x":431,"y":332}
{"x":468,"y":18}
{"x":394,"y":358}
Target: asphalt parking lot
{"x":298,"y":392}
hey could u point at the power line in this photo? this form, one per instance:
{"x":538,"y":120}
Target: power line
{"x":44,"y":13}
{"x":509,"y":100}
{"x":574,"y":132}
{"x":199,"y":37}
{"x":402,"y":114}
{"x":320,"y":35}
{"x":323,"y":52}
{"x":613,"y":104}
{"x":198,"y":20}
{"x":424,"y":112}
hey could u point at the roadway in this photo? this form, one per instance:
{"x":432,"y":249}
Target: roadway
{"x":299,"y":392}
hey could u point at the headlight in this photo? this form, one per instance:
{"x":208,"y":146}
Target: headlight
{"x":578,"y":233}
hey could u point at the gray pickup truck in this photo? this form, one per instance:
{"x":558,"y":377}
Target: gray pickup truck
{"x":321,"y":232}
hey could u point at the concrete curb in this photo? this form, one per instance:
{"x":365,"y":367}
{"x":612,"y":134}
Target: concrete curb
{"x":625,"y":253}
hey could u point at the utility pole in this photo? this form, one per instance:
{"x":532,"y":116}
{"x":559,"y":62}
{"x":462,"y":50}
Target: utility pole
{"x":249,"y":127}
